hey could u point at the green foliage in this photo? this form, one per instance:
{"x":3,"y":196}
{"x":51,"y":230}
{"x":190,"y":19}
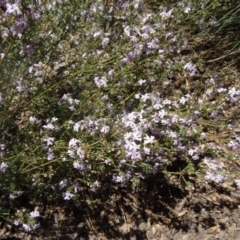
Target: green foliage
{"x":91,"y":109}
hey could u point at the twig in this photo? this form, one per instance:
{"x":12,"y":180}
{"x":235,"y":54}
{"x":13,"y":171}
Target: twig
{"x":216,"y":59}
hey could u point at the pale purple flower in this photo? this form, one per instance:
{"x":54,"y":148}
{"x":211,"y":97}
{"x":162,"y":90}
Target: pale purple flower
{"x":78,"y":165}
{"x":133,"y":154}
{"x":133,"y":39}
{"x":213,"y":21}
{"x":15,"y":195}
{"x":183,"y":100}
{"x":149,"y":139}
{"x":50,"y":154}
{"x":95,"y":185}
{"x":3,"y":167}
{"x":137,"y":135}
{"x":212,"y":81}
{"x":221,"y":90}
{"x":127,"y":31}
{"x":234,"y":94}
{"x":107,"y":162}
{"x":187,"y":9}
{"x":234,"y":145}
{"x":166,"y":122}
{"x":34,"y":214}
{"x":162,"y":113}
{"x":195,"y":157}
{"x":145,"y":97}
{"x":105,"y":41}
{"x":209,"y":92}
{"x":77,"y":126}
{"x":146,"y":150}
{"x":153,"y":44}
{"x":212,"y":163}
{"x":49,"y":140}
{"x":71,"y":153}
{"x":63,"y":184}
{"x":97,"y":34}
{"x":174,"y":118}
{"x":191,"y":68}
{"x":13,"y":9}
{"x":148,"y":29}
{"x":49,"y":126}
{"x":217,"y":178}
{"x":166,"y":15}
{"x":54,"y":119}
{"x":237,"y":182}
{"x":141,"y":82}
{"x":118,"y":179}
{"x":105,"y":129}
{"x":81,"y":166}
{"x":26,"y":227}
{"x":167,"y":102}
{"x":21,"y":88}
{"x":67,"y":195}
{"x":76,"y":187}
{"x":172,"y":134}
{"x":148,"y":16}
{"x":29,"y":49}
{"x":193,"y":151}
{"x":16,"y":222}
{"x":73,"y":142}
{"x":80,"y":153}
{"x":36,"y":226}
{"x":100,"y":81}
{"x":19,"y":26}
{"x":1,"y":99}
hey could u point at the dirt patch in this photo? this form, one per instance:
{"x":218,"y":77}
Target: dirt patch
{"x":164,"y":211}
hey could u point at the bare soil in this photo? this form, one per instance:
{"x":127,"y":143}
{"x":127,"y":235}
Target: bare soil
{"x":165,"y":211}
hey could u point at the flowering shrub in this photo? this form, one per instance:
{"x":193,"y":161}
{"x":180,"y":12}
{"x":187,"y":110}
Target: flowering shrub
{"x":89,"y":99}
